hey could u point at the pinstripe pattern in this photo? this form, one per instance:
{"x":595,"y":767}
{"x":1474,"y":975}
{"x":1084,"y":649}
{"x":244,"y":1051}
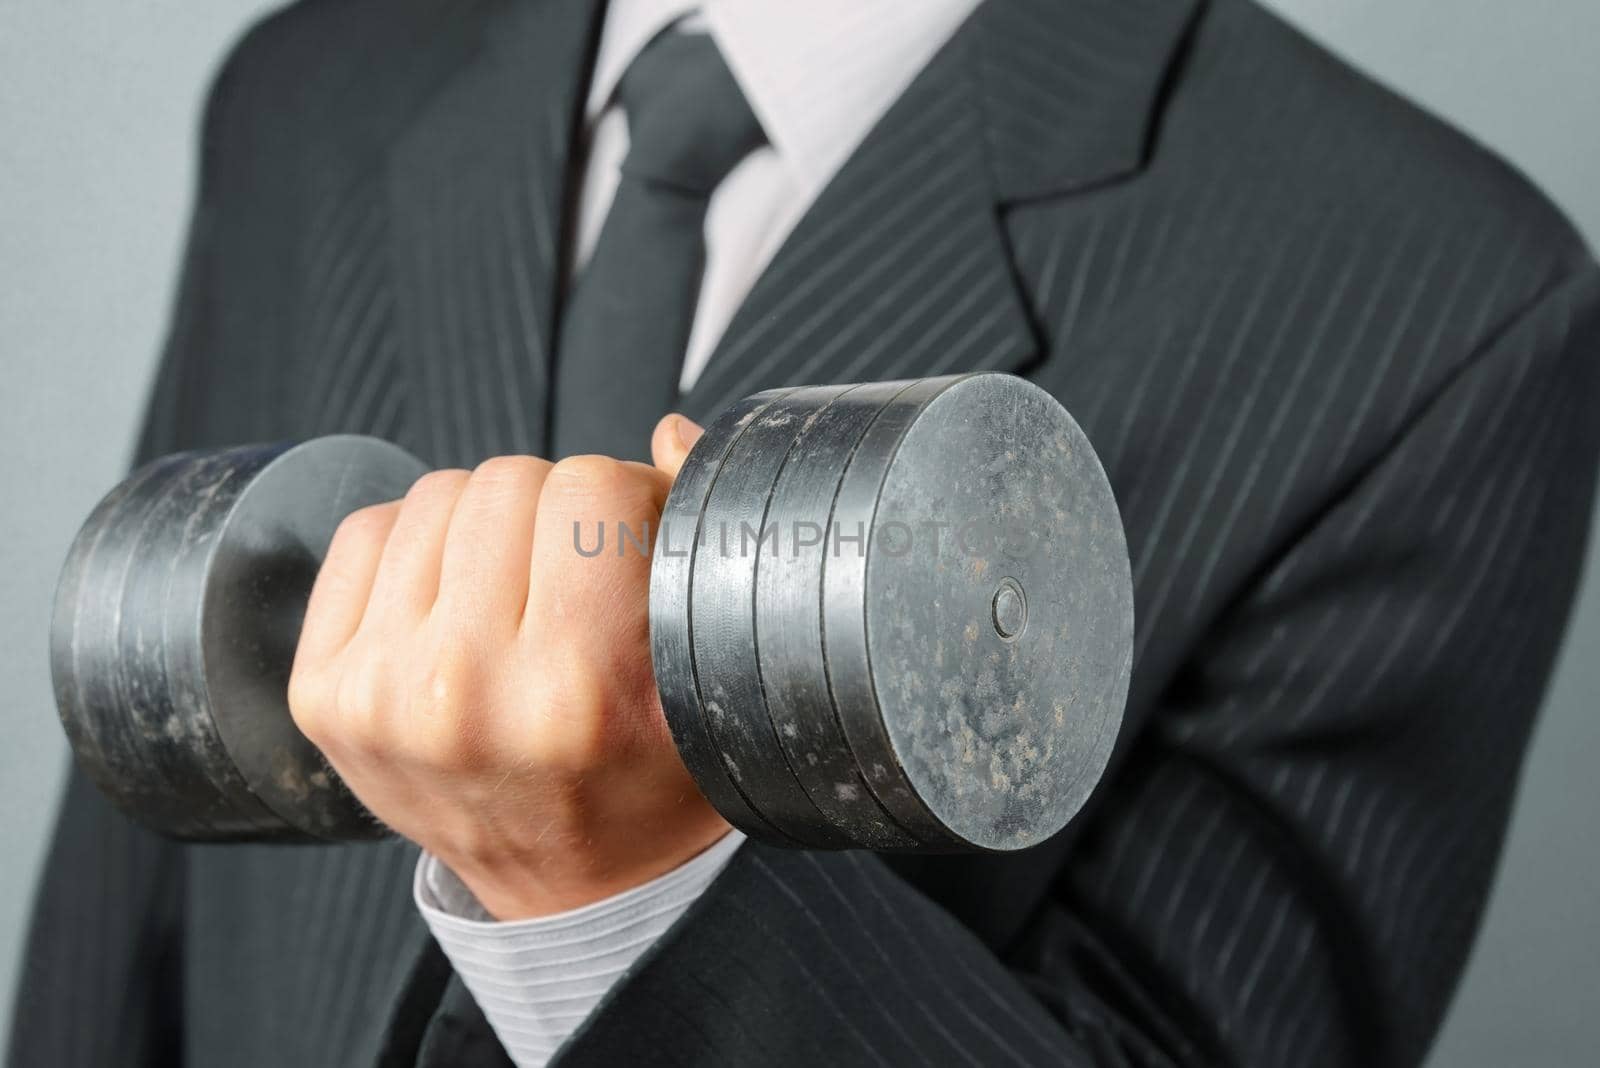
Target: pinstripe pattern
{"x":1339,"y":364}
{"x":897,"y":267}
{"x":476,"y":187}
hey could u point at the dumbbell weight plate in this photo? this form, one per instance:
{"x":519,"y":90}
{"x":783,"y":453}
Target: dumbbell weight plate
{"x":788,"y":619}
{"x":980,"y":679}
{"x":174,"y":629}
{"x":723,"y":600}
{"x":672,"y":647}
{"x":124,"y":729}
{"x":942,"y":697}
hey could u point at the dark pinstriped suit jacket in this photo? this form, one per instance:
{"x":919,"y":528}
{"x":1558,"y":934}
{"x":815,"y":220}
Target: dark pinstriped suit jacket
{"x":1341,"y":367}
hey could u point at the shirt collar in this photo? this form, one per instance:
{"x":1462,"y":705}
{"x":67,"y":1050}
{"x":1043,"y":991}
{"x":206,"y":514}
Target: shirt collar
{"x":819,"y":74}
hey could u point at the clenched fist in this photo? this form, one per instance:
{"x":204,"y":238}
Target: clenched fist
{"x":485,"y":688}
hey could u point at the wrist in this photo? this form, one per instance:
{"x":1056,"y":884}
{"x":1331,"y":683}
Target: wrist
{"x":582,"y":870}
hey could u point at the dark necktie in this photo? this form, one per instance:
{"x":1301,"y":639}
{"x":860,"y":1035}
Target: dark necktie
{"x":627,"y":322}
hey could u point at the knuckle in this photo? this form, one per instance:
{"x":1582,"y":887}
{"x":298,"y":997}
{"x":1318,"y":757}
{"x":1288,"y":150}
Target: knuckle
{"x":446,"y":700}
{"x":444,"y":686}
{"x":308,"y":701}
{"x":445,"y":482}
{"x":507,"y":470}
{"x":584,"y":478}
{"x":364,"y":525}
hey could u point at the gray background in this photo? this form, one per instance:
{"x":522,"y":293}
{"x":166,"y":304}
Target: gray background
{"x":98,"y":104}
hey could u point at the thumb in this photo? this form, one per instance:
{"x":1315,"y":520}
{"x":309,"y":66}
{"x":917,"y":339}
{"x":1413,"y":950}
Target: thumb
{"x":674,"y":436}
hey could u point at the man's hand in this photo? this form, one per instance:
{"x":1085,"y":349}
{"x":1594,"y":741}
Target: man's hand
{"x":486,"y":690}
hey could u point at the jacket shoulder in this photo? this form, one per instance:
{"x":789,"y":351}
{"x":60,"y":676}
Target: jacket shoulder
{"x":337,"y":76}
{"x":1289,"y":114}
{"x":312,"y":45}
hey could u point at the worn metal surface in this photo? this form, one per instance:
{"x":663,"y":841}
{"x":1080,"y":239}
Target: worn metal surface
{"x":722,"y":596}
{"x":850,"y":672}
{"x":672,"y":646}
{"x":788,"y":619}
{"x":999,"y":643}
{"x":945,"y":667}
{"x":174,"y":630}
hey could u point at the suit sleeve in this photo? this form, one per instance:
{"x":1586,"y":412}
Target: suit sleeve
{"x":101,"y":978}
{"x":1291,"y":864}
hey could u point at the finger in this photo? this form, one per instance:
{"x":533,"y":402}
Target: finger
{"x":344,"y":583}
{"x":489,"y":547}
{"x":591,"y":545}
{"x":674,"y":436}
{"x":408,"y":575}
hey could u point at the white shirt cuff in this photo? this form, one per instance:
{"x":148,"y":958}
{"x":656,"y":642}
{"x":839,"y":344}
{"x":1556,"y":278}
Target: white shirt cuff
{"x":536,"y":980}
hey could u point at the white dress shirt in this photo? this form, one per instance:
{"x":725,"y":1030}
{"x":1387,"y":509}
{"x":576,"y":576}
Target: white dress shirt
{"x":818,"y":75}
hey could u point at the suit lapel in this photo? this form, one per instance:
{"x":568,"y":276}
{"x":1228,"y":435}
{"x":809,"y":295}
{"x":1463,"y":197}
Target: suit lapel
{"x":902,"y":266}
{"x":477,"y":187}
{"x":1072,"y":89}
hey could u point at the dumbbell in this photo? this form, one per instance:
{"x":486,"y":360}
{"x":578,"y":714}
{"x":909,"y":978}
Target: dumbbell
{"x":895,"y":616}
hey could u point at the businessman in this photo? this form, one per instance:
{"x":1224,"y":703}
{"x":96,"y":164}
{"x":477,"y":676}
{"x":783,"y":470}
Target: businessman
{"x":1340,"y":365}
